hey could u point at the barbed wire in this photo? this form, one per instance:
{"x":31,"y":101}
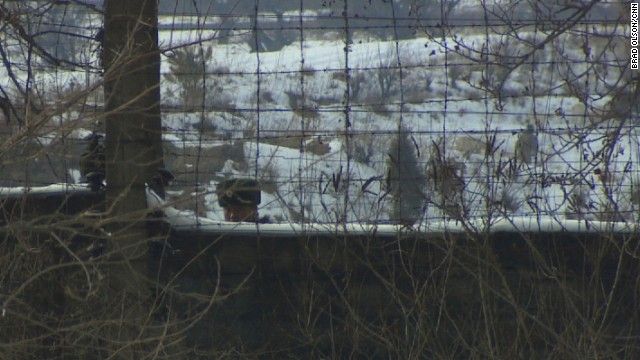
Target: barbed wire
{"x":576,"y":145}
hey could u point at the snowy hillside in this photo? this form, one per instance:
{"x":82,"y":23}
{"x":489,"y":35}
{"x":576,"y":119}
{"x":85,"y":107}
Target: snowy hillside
{"x":436,"y":97}
{"x":314,"y":121}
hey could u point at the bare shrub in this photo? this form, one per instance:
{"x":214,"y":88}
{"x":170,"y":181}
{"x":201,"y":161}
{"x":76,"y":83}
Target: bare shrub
{"x":405,"y":179}
{"x":357,"y":84}
{"x":447,"y":178}
{"x":363,"y":149}
{"x":188,"y":68}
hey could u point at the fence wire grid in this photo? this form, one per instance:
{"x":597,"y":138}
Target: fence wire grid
{"x":346,"y":111}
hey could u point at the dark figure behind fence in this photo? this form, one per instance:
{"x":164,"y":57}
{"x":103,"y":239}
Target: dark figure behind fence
{"x":92,"y":162}
{"x":239,"y":198}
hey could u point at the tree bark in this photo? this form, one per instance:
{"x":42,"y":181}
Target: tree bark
{"x":133,"y":142}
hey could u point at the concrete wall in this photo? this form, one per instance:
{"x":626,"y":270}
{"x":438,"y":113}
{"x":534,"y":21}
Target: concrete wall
{"x":374,"y":297}
{"x":501,"y":295}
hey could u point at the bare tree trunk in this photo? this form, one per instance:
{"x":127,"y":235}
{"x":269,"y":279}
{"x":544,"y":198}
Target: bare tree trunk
{"x":133,"y":142}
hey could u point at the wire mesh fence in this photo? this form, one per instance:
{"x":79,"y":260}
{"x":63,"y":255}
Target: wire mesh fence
{"x":349,"y":111}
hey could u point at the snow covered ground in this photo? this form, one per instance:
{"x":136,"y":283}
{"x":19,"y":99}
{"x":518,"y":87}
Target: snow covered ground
{"x":324,"y":154}
{"x":434,"y":105}
{"x":187,"y":220}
